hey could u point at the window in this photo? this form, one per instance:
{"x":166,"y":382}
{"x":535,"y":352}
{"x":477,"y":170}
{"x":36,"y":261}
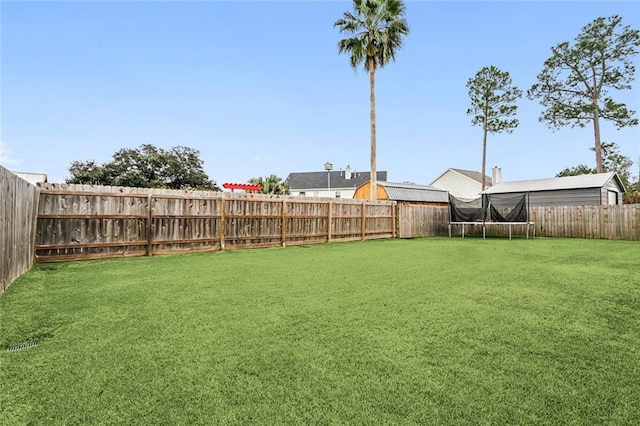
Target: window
{"x":612,"y":198}
{"x":337,"y":194}
{"x":302,"y":193}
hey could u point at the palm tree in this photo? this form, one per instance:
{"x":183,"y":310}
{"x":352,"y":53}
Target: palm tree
{"x":272,"y":184}
{"x":376,"y":28}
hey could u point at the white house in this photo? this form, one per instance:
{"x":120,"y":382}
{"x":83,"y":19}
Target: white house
{"x":32,"y":178}
{"x":330,"y":183}
{"x":465,"y":184}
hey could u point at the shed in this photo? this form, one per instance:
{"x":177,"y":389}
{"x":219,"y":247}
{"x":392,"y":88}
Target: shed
{"x":583,"y":190}
{"x":404,"y":192}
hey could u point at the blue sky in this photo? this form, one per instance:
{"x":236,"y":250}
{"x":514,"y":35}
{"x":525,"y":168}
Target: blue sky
{"x":259,"y":88}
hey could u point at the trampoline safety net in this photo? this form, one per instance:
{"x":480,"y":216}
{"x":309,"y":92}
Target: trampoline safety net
{"x":490,"y":208}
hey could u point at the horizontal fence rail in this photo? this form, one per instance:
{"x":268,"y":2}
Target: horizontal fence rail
{"x":87,"y":222}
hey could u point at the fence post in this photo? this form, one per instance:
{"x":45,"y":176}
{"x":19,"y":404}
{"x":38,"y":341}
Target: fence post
{"x":34,"y":223}
{"x":222,"y":223}
{"x":364,"y":221}
{"x":283,"y":226}
{"x":329,"y":218}
{"x":149,"y":225}
{"x":393,"y":221}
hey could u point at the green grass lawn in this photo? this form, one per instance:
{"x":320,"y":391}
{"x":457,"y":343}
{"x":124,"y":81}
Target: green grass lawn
{"x":424,"y":331}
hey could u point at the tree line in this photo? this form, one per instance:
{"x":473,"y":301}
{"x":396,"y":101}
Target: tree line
{"x":150,"y":167}
{"x":573,"y":88}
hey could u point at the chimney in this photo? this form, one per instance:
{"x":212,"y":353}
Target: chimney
{"x":496,"y":177}
{"x":347,"y":172}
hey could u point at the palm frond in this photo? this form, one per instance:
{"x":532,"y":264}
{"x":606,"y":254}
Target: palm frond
{"x":377,"y":28}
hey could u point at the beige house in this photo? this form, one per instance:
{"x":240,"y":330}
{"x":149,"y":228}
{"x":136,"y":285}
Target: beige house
{"x":464,"y":184}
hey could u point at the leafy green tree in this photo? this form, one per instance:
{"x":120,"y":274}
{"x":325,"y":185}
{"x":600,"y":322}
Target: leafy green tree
{"x":146,"y":167}
{"x":376,"y":28}
{"x":493,"y":105}
{"x":632,"y":195}
{"x":575,"y":81}
{"x":581,"y":169}
{"x":612,"y":160}
{"x":88,"y":172}
{"x":271,"y":185}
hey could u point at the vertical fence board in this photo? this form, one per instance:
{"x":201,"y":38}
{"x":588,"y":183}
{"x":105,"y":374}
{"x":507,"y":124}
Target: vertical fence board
{"x":422,"y":221}
{"x":18,"y":229}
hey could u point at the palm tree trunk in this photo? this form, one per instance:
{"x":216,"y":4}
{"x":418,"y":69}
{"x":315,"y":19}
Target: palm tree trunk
{"x":598,"y":144}
{"x":374,"y":181}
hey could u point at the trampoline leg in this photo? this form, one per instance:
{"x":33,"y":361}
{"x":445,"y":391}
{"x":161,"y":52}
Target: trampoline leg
{"x":483,"y":231}
{"x":463,"y":230}
{"x":509,"y":231}
{"x":449,"y":230}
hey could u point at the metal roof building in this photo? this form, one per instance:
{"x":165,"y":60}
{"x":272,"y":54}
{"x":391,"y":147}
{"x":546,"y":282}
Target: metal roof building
{"x":405,"y":192}
{"x":583,"y":190}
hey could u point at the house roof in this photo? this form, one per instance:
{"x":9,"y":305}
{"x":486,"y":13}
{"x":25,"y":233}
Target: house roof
{"x":567,"y":182}
{"x":32,"y":178}
{"x":336,"y":180}
{"x":412,"y":192}
{"x":475,"y":176}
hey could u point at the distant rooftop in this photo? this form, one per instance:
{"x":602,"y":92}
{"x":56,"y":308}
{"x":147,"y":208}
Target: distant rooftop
{"x":336,"y":179}
{"x":413,"y":192}
{"x":567,"y":182}
{"x":32,"y":178}
{"x":477,"y":176}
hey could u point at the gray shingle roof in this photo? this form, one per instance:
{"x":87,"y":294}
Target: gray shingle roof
{"x":477,"y":176}
{"x":318,"y":180}
{"x":568,"y":182}
{"x":412,"y":192}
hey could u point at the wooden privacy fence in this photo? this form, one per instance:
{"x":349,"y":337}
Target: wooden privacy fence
{"x":18,"y":201}
{"x":85,"y":222}
{"x":82,"y":222}
{"x":589,"y":222}
{"x":599,"y":222}
{"x":422,"y":221}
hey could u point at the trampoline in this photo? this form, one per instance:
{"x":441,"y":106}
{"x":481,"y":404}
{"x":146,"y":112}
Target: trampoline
{"x":490,"y":210}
